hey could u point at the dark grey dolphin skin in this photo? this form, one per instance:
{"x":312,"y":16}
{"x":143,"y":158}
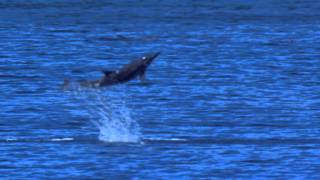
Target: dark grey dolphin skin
{"x":136,"y":68}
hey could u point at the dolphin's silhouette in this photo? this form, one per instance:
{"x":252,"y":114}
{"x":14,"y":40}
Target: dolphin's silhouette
{"x":136,"y":68}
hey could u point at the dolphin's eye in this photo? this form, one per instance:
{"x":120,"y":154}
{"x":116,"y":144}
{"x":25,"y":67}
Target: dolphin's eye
{"x":144,"y":58}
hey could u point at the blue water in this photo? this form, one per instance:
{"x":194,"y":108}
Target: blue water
{"x":235,"y":93}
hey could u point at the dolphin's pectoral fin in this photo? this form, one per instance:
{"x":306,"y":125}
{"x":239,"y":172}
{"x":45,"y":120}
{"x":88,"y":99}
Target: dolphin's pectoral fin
{"x":65,"y":85}
{"x":142,"y":76}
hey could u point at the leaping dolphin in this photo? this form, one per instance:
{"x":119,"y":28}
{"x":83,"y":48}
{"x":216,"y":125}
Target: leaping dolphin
{"x":136,"y":68}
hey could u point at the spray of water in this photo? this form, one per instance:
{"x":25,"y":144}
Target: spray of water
{"x":109,"y":113}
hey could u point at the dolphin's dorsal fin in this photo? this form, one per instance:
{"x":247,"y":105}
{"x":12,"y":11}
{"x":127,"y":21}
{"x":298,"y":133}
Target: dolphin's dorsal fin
{"x":107,"y":72}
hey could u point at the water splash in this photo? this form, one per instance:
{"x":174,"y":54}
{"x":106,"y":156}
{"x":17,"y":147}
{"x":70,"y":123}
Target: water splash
{"x":109,"y":113}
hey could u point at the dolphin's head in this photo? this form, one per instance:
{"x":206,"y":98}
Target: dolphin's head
{"x":150,"y":57}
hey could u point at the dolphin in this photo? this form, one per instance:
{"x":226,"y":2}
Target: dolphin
{"x":134,"y":69}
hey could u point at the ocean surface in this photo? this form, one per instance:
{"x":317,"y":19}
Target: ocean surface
{"x":235,"y":93}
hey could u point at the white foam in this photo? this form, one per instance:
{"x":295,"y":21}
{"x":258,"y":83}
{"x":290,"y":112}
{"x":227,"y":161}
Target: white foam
{"x":11,"y":139}
{"x":166,"y":139}
{"x":62,"y":139}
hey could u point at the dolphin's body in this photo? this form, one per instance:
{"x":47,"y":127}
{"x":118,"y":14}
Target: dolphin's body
{"x":136,"y":68}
